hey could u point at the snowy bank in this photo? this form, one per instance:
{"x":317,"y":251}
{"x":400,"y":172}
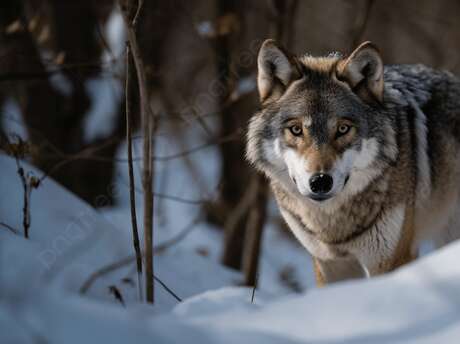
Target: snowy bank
{"x":41,"y":279}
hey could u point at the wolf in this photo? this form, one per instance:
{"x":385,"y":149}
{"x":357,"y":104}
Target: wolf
{"x":362,"y":158}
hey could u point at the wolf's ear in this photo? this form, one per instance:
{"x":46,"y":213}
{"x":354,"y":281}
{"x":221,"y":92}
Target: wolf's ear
{"x":363,"y":71}
{"x":276,"y":70}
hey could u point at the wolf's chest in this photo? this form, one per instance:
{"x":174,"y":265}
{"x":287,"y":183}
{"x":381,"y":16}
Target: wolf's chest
{"x":335,"y":227}
{"x":368,"y":230}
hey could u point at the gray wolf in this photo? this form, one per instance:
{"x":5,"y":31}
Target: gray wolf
{"x":363,"y":159}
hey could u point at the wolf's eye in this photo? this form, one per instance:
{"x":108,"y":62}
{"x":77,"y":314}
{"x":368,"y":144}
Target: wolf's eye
{"x":296,"y":130}
{"x":343,"y":129}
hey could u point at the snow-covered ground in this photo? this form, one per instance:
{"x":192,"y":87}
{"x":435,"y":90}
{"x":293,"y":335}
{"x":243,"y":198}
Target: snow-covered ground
{"x":41,"y":279}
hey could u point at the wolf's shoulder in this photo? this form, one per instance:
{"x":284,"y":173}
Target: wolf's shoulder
{"x":417,"y":75}
{"x":418,"y":82}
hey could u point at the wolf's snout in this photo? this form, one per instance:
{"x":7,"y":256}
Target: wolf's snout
{"x":321,"y":183}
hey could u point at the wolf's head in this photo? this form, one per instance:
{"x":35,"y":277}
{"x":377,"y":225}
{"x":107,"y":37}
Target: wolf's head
{"x":323,"y":130}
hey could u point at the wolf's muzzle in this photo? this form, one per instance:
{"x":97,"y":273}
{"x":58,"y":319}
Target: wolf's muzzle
{"x":321,"y":183}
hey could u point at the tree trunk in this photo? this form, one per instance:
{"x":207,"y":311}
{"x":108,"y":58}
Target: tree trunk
{"x":254,"y":231}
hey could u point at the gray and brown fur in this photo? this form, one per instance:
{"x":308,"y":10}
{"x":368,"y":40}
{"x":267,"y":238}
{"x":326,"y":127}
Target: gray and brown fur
{"x":401,"y":155}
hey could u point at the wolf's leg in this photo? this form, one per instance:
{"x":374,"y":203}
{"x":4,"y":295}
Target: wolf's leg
{"x":329,"y":271}
{"x":404,"y":257}
{"x":403,"y":253}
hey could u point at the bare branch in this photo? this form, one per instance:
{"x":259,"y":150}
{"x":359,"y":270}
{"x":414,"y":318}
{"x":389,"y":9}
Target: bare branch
{"x":104,"y":271}
{"x":180,"y":236}
{"x":254,"y":229}
{"x":138,"y":11}
{"x":169,"y":290}
{"x":109,"y":268}
{"x":11,"y":229}
{"x":132,"y":191}
{"x":175,"y":198}
{"x":254,"y":287}
{"x":55,"y":69}
{"x":148,"y":125}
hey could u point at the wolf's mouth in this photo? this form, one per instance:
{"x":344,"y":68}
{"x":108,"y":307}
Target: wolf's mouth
{"x":319,"y":198}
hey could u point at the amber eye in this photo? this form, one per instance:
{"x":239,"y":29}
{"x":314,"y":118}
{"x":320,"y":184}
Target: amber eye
{"x":296,"y":130}
{"x":343,"y":129}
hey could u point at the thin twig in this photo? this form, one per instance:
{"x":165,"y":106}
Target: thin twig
{"x":138,"y":11}
{"x":228,"y":138}
{"x":167,"y":288}
{"x":19,"y":150}
{"x":25,"y":206}
{"x":104,"y":271}
{"x":148,"y":126}
{"x":232,"y":137}
{"x":180,"y":236}
{"x":132,"y":191}
{"x":128,"y":260}
{"x":87,"y":153}
{"x":11,"y":229}
{"x":117,"y":294}
{"x":104,"y":43}
{"x":254,"y":229}
{"x":182,"y":200}
{"x":147,"y":182}
{"x":174,"y":198}
{"x":29,"y":76}
{"x":254,"y":289}
{"x":81,"y":155}
{"x":26,"y":198}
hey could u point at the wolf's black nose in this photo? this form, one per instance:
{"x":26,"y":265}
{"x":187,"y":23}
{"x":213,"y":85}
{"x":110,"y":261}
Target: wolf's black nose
{"x":321,"y":183}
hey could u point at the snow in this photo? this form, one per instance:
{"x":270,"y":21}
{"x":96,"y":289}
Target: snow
{"x":61,"y":83}
{"x":105,"y":91}
{"x":105,"y":101}
{"x":40,"y":281}
{"x":70,"y":240}
{"x":11,"y":119}
{"x":206,"y":29}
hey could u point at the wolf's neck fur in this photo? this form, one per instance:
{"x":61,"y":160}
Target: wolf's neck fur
{"x":350,"y":218}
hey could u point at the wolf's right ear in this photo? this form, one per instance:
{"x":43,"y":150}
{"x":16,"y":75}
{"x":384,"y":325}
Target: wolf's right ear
{"x":363,"y":71}
{"x":276,"y":70}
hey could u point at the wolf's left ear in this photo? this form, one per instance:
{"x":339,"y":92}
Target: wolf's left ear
{"x":276,"y":70}
{"x":363,"y":71}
